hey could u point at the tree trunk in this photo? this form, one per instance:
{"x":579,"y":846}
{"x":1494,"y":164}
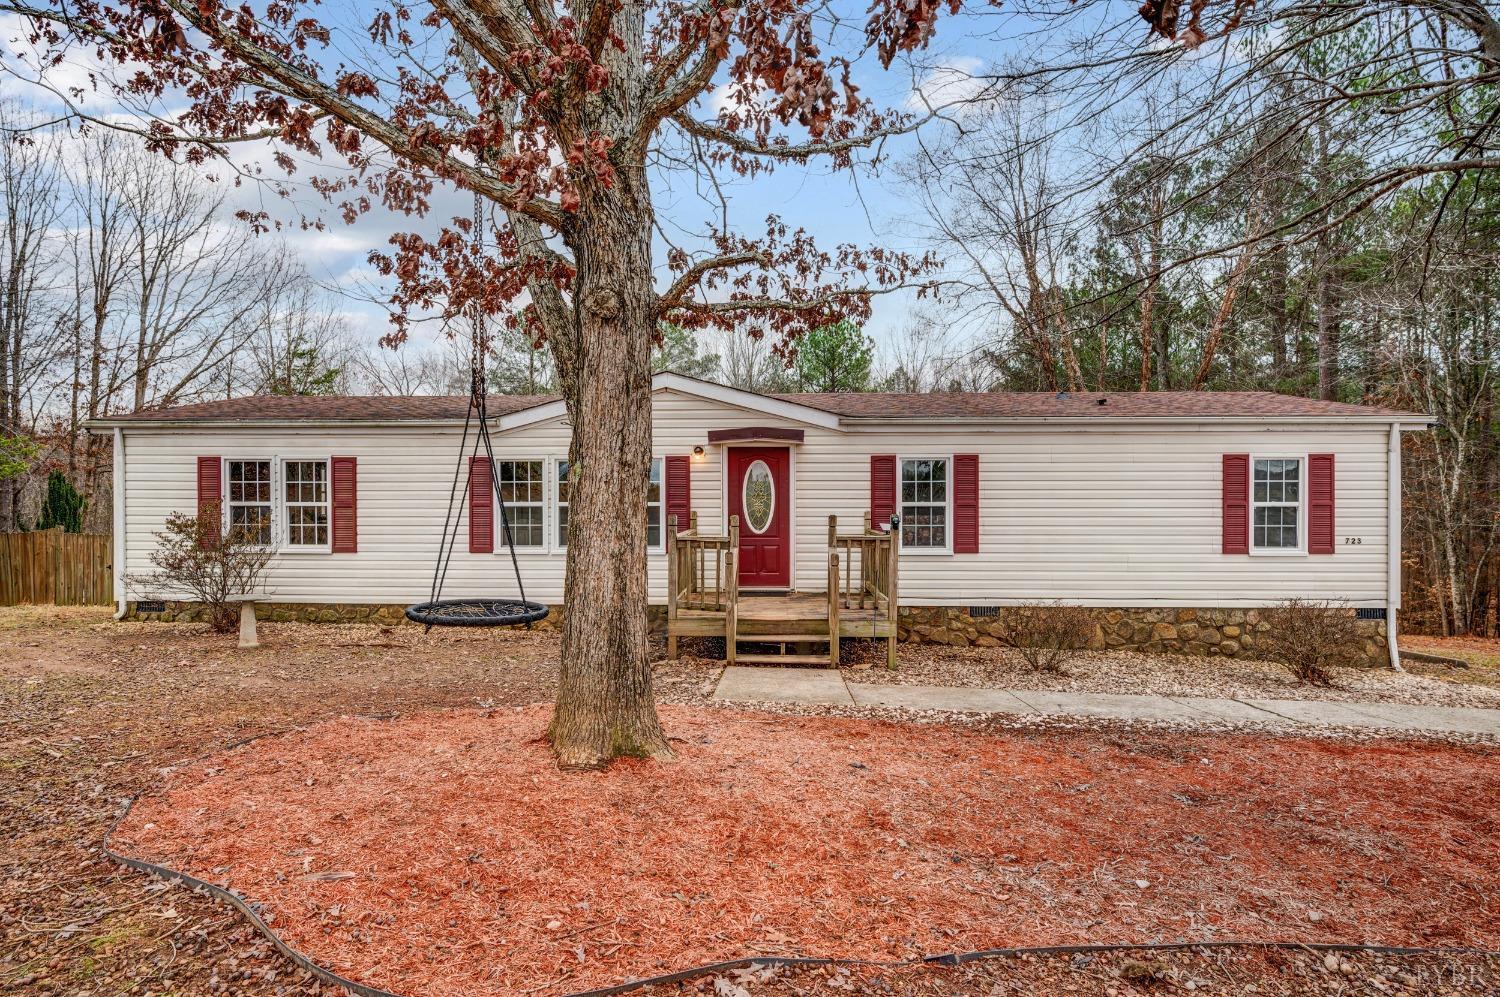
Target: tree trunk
{"x":1329,"y":320}
{"x":604,"y":701}
{"x":1148,"y":301}
{"x":1276,"y":292}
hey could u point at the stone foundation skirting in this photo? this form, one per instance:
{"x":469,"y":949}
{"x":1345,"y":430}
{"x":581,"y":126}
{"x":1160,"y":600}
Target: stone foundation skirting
{"x":1229,"y":633}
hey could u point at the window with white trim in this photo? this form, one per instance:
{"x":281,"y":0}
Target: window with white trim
{"x":525,"y":493}
{"x":653,"y":505}
{"x":249,"y":498}
{"x":562,"y":503}
{"x":304,"y":491}
{"x":1276,"y":504}
{"x":924,"y":503}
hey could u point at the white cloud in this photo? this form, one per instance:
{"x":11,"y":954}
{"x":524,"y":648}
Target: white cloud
{"x":949,"y":83}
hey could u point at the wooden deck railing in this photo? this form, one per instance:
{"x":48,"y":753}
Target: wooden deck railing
{"x":701,"y":567}
{"x":703,"y":573}
{"x":862,"y":572}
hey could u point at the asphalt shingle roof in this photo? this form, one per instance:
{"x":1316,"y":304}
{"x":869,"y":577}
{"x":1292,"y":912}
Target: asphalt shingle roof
{"x":997,"y":405}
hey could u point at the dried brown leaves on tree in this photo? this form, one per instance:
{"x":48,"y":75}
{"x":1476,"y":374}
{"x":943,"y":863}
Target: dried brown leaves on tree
{"x":555,"y":117}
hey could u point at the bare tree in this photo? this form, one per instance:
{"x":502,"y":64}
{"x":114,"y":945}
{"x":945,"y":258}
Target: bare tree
{"x":30,"y":204}
{"x":196,"y":290}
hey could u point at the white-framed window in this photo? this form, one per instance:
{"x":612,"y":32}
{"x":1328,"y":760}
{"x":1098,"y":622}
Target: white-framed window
{"x":304,"y":491}
{"x":562,"y":505}
{"x":249,"y":497}
{"x":524,"y":490}
{"x":924,"y":493}
{"x":1277,"y":488}
{"x":653,"y":505}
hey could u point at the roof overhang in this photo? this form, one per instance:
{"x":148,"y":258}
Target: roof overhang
{"x":756,"y":434}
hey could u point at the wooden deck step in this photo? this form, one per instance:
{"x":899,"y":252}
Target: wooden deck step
{"x":781,"y":659}
{"x":754,"y":638}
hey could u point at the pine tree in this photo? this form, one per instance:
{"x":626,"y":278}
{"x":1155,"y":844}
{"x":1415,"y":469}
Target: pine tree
{"x":63,"y":506}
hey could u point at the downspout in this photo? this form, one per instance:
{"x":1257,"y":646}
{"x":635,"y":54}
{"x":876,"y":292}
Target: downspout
{"x":118,"y":487}
{"x":1393,"y":544}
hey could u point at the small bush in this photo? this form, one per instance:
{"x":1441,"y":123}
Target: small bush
{"x":1308,"y":636}
{"x":206,"y":564}
{"x":1047,"y":635}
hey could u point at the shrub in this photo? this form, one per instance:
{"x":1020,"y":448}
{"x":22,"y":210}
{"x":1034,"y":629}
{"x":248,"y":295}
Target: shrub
{"x":207,"y":564}
{"x":63,"y":505}
{"x":1308,"y":636}
{"x":1047,"y":635}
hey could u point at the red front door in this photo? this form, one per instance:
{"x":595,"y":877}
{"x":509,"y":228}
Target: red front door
{"x":760,"y":495}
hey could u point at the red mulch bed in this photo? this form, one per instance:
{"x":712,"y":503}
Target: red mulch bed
{"x":478,"y":868}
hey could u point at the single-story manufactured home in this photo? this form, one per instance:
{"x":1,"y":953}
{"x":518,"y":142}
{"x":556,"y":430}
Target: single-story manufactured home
{"x":1176,"y":513}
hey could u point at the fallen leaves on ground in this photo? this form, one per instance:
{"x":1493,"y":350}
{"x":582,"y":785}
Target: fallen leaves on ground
{"x":481,"y":869}
{"x":92,"y":712}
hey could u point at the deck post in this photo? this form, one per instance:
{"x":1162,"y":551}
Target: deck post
{"x":731,"y":609}
{"x":671,"y":586}
{"x":893,"y":560}
{"x":833,"y":604}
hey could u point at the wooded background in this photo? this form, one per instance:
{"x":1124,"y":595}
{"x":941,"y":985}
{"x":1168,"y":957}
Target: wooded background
{"x":1306,"y":204}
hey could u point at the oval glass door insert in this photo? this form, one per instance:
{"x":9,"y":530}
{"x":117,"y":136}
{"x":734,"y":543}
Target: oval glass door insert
{"x":759,"y":497}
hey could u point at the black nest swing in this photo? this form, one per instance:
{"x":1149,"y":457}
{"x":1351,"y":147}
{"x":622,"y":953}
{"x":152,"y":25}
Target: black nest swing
{"x":486,"y":611}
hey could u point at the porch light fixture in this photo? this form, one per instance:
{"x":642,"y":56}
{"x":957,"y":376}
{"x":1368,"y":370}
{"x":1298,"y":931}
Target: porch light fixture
{"x":698,"y":453}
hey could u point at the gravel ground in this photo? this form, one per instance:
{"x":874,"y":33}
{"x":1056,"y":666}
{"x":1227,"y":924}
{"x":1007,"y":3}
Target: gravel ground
{"x":1165,"y":675}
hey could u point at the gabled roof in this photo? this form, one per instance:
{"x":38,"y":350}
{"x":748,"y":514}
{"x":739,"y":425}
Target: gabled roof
{"x":814,"y":408}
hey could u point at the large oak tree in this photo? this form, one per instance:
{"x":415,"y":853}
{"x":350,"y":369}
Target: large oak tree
{"x":557,"y":114}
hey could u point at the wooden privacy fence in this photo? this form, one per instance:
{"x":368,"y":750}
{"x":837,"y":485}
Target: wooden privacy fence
{"x":53,"y":567}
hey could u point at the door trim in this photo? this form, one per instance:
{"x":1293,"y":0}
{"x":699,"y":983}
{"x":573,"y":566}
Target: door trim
{"x":791,"y":518}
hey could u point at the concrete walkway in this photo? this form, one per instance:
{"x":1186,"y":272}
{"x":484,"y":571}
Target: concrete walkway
{"x":826,"y":686}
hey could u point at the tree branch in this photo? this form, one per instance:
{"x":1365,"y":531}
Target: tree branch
{"x":674,"y":295}
{"x":311,"y":90}
{"x":805,"y":150}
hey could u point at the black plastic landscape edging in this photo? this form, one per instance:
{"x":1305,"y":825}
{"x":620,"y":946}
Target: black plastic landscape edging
{"x":248,"y":909}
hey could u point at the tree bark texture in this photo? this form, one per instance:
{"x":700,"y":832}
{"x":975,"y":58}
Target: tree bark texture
{"x":604,"y":704}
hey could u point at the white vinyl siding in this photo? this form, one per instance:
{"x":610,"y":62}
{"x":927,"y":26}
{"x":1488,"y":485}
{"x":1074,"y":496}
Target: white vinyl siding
{"x":1117,"y":515}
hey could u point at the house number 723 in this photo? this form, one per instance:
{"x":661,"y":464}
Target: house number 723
{"x":1354,"y":540}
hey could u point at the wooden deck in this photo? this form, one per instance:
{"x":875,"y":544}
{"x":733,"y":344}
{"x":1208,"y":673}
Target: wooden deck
{"x":704,"y":600}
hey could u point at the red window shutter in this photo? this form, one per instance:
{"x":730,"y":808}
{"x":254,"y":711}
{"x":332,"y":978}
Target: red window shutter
{"x":210,"y":500}
{"x":1320,"y":503}
{"x":966,"y":503}
{"x":481,"y":507}
{"x":1236,"y":503}
{"x":679,"y":483}
{"x":882,"y":490}
{"x":345,"y":529}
